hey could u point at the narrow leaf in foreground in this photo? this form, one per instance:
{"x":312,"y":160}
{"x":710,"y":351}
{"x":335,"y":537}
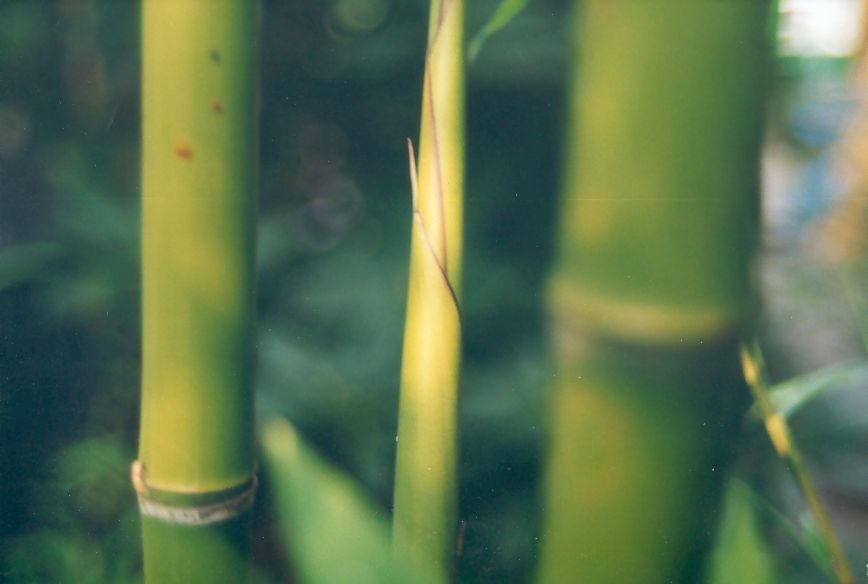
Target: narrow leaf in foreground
{"x":506,"y":11}
{"x":793,"y":394}
{"x":332,"y":532}
{"x":741,"y":554}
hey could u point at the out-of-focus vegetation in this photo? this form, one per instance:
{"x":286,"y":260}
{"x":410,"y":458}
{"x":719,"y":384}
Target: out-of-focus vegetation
{"x":341,"y":88}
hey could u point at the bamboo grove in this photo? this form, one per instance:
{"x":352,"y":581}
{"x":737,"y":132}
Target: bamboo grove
{"x":649,"y":297}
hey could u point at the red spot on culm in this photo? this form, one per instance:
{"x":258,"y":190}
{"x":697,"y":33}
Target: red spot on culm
{"x":217,"y":107}
{"x":184,"y":152}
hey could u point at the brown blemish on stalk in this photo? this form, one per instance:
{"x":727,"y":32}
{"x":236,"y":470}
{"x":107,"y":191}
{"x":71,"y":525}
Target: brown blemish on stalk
{"x":184,"y":151}
{"x":217,"y":107}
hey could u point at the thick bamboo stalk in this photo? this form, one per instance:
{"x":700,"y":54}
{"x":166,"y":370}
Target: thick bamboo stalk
{"x":652,"y":285}
{"x":196,"y":472}
{"x":425,"y":476}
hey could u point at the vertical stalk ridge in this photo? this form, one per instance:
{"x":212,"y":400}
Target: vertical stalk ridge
{"x":425,"y":477}
{"x":651,"y":290}
{"x":195,"y":475}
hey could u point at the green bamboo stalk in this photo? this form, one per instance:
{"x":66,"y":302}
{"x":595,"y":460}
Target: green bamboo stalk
{"x":195,"y":475}
{"x":425,"y":475}
{"x":651,"y":289}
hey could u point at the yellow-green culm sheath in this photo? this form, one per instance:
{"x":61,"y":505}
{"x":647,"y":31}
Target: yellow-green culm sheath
{"x":195,"y":475}
{"x":651,"y":290}
{"x":425,"y":475}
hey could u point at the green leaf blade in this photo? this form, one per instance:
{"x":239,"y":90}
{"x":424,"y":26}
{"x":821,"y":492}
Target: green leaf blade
{"x":332,"y":532}
{"x":506,"y":11}
{"x":741,"y":554}
{"x":792,"y":395}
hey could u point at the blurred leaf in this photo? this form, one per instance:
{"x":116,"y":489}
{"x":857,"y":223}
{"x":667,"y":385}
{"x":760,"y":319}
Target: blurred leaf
{"x":800,"y":534}
{"x":93,"y":460}
{"x":94,"y":476}
{"x":78,"y":554}
{"x":54,"y":556}
{"x":95,"y":218}
{"x":332,"y":532}
{"x":741,"y":554}
{"x":507,"y":10}
{"x":23,"y":32}
{"x":101,"y":244}
{"x":791,"y":395}
{"x":816,"y":546}
{"x":20,"y":263}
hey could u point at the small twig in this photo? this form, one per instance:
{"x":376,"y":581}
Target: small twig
{"x":779,"y":434}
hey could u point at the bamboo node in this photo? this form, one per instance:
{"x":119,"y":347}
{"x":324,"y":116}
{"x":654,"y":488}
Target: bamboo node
{"x":137,"y":476}
{"x":220,"y":506}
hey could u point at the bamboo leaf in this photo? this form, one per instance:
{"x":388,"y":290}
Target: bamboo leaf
{"x":793,"y":394}
{"x":506,"y":11}
{"x":816,"y":546}
{"x":741,"y":554}
{"x":796,"y":533}
{"x":332,"y":532}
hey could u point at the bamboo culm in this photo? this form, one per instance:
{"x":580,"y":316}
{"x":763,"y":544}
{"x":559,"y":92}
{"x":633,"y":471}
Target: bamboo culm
{"x":195,"y":474}
{"x":425,"y":477}
{"x":651,"y":290}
